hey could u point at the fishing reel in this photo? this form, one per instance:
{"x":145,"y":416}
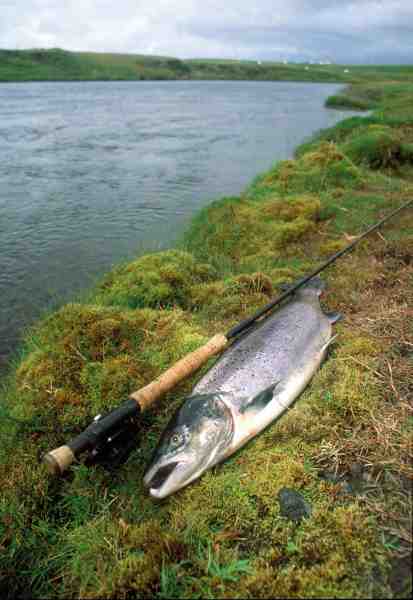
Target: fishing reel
{"x":108,"y":440}
{"x":114,"y":446}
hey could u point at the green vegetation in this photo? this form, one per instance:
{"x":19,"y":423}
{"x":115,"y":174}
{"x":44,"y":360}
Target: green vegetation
{"x":346,"y":445}
{"x":61,"y":65}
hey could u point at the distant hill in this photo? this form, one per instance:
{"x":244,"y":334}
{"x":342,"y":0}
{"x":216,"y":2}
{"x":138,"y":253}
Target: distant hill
{"x":61,"y":65}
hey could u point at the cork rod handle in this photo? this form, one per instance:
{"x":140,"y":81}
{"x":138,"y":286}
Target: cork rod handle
{"x":185,"y":367}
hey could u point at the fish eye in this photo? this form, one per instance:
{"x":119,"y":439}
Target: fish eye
{"x":176,"y":439}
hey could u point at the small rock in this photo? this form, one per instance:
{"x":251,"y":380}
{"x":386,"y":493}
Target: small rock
{"x":292,"y":504}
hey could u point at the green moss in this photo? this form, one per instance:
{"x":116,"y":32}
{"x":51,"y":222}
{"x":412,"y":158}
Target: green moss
{"x":231,"y":298}
{"x":322,"y":168}
{"x":332,"y":246}
{"x":406,"y":152}
{"x":88,"y":358}
{"x":316,"y":565}
{"x":154,"y":280}
{"x":340,"y":132}
{"x":377,"y":146}
{"x":342,"y":101}
{"x":246,"y":228}
{"x":291,"y":208}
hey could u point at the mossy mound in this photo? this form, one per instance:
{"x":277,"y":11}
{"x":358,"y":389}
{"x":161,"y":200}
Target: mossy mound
{"x":86,"y":359}
{"x":242,"y":228}
{"x":291,"y":208}
{"x":360,"y":96}
{"x":406,"y":153}
{"x":376,"y":147}
{"x":343,"y":101}
{"x":155,"y":280}
{"x":339,"y":133}
{"x":232,"y":298}
{"x":322,"y":167}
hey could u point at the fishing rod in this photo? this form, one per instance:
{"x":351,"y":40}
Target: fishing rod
{"x":111,"y":438}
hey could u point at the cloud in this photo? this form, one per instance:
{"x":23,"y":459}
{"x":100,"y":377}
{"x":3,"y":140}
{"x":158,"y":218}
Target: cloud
{"x":341,"y":30}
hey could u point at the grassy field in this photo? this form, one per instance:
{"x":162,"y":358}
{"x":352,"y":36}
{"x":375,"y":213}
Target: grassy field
{"x":346,"y":445}
{"x":62,"y":65}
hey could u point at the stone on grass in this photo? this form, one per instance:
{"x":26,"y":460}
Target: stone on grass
{"x":292,"y":504}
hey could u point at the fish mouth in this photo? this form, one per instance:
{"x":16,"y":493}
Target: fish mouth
{"x":156,"y":481}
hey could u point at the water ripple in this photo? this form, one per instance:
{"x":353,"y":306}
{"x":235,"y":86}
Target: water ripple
{"x":93,"y":172}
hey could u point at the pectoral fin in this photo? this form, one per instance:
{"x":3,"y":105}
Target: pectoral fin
{"x":260,"y":401}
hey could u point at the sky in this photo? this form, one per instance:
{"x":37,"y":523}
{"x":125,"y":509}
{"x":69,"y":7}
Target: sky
{"x":343,"y":31}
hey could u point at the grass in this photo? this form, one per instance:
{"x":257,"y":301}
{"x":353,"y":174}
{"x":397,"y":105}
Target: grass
{"x":61,"y":65}
{"x":346,"y":445}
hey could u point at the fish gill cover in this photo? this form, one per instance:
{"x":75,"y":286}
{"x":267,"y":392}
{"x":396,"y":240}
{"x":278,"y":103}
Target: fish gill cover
{"x":345,"y":448}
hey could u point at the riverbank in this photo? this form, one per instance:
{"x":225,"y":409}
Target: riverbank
{"x":345,"y":446}
{"x":61,"y":65}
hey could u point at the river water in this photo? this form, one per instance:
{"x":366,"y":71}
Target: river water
{"x":93,"y":173}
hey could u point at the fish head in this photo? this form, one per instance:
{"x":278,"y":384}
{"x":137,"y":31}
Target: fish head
{"x":196,"y":437}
